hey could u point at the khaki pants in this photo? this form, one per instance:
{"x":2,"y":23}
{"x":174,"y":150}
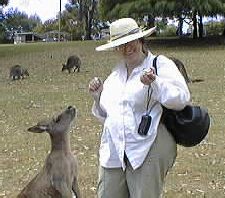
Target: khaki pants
{"x":146,"y":181}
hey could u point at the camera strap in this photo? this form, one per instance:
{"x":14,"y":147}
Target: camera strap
{"x":149,"y":96}
{"x":150,"y":93}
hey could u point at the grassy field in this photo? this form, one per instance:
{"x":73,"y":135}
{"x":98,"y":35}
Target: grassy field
{"x":198,"y":172}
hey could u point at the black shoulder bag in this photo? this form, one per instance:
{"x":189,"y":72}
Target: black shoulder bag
{"x":188,"y":126}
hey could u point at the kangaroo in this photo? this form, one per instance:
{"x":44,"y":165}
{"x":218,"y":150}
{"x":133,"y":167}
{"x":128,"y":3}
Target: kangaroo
{"x":18,"y":72}
{"x":73,"y":63}
{"x":181,"y":68}
{"x":58,"y":177}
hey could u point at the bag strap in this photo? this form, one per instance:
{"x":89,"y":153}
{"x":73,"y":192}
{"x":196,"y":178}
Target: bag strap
{"x":165,"y":110}
{"x":154,"y":64}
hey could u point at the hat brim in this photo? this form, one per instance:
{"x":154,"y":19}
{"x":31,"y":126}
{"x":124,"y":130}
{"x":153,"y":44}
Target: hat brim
{"x":125,"y":39}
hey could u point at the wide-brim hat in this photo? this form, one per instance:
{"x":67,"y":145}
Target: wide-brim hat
{"x":123,"y":31}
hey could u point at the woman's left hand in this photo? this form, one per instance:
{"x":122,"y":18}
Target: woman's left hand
{"x":148,"y":77}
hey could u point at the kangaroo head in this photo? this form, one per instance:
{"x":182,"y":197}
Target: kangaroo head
{"x":58,"y":124}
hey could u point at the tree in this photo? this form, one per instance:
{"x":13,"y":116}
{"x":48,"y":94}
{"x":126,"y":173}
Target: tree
{"x":71,"y":24}
{"x":4,"y":2}
{"x":16,"y":21}
{"x":49,"y":25}
{"x":110,"y":10}
{"x":194,"y":9}
{"x":2,"y":26}
{"x":19,"y":21}
{"x":86,"y":14}
{"x":202,"y":8}
{"x":223,"y":1}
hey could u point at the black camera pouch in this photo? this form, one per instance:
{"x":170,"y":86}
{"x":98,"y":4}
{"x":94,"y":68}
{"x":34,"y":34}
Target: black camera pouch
{"x":144,"y":124}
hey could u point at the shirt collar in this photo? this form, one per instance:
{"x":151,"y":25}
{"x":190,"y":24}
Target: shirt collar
{"x":144,"y":64}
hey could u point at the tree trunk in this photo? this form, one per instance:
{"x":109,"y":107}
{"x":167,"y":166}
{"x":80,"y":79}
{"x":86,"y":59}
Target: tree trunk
{"x":81,"y":11}
{"x":180,"y":26}
{"x":200,"y":26}
{"x":89,"y":19}
{"x":87,"y":27}
{"x":195,"y":26}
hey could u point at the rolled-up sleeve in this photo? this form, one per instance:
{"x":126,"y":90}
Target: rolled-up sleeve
{"x":169,"y":87}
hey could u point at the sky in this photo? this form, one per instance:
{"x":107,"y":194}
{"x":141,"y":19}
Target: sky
{"x":45,"y":9}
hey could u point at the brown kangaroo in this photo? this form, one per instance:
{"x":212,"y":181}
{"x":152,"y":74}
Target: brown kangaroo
{"x":58,"y":177}
{"x":181,"y":67}
{"x":183,"y":71}
{"x":73,"y":63}
{"x":18,"y":72}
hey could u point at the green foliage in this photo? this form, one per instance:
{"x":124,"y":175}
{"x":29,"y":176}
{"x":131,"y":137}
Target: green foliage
{"x":166,"y":8}
{"x":2,"y":34}
{"x":19,"y":21}
{"x":86,"y":11}
{"x":208,"y":7}
{"x":161,"y":24}
{"x":168,"y":31}
{"x":162,"y":8}
{"x":170,"y":8}
{"x":125,"y":8}
{"x":49,"y":25}
{"x":106,"y":7}
{"x":4,"y":2}
{"x":214,"y":28}
{"x":77,"y":32}
{"x":71,"y":24}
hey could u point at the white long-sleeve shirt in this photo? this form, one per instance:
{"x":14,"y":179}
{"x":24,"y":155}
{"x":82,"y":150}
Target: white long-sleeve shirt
{"x":123,"y":102}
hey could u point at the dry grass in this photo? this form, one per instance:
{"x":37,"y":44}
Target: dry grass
{"x":198,"y":172}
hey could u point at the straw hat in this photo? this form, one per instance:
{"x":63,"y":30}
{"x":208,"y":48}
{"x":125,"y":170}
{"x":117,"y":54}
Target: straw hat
{"x":123,"y":31}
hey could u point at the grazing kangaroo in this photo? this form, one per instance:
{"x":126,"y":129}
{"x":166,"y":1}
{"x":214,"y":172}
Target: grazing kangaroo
{"x":73,"y":63}
{"x":181,"y":68}
{"x":58,"y":177}
{"x":18,"y":72}
{"x":183,"y":71}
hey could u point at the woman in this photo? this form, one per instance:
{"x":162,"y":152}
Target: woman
{"x":132,"y":164}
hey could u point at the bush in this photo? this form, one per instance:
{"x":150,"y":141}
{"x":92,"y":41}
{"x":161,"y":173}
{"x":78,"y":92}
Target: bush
{"x":169,"y":31}
{"x":2,"y":34}
{"x":214,"y":28}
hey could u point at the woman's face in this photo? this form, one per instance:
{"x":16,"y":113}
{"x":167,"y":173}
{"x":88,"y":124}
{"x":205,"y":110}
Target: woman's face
{"x":130,"y":51}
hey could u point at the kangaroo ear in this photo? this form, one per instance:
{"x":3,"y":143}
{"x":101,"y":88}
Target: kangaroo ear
{"x":38,"y":128}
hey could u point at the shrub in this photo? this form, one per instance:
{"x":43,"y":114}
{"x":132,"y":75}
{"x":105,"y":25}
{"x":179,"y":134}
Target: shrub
{"x":214,"y":28}
{"x":170,"y":30}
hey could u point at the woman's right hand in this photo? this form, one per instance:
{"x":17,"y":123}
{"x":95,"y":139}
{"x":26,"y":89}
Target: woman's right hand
{"x":95,"y":87}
